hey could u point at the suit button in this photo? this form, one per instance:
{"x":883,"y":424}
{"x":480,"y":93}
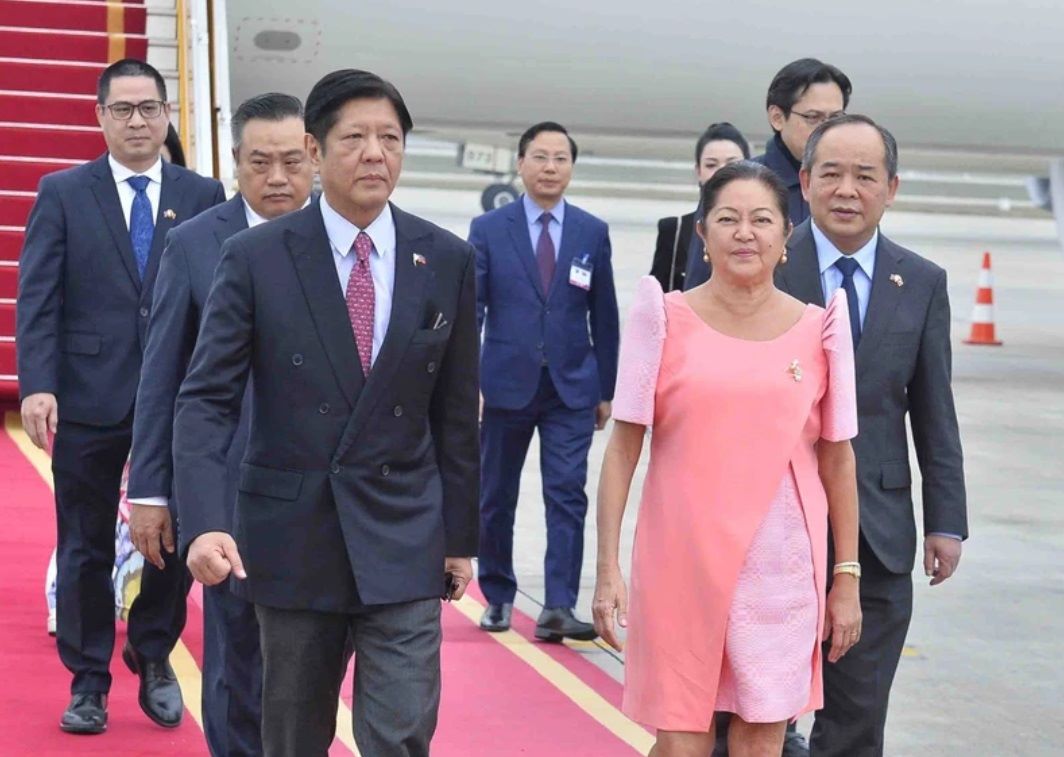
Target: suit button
{"x":297,"y":359}
{"x":539,"y":346}
{"x":398,"y":411}
{"x":144,"y":312}
{"x":323,"y":408}
{"x":385,"y":470}
{"x":547,"y":311}
{"x":334,"y":468}
{"x":431,"y":367}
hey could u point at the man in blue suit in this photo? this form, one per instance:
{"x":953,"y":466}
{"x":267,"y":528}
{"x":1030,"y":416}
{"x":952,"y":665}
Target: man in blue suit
{"x":548,"y":312}
{"x":87,"y":272}
{"x":275,"y":177}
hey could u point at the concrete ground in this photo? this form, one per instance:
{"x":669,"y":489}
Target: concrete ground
{"x":982,"y":674}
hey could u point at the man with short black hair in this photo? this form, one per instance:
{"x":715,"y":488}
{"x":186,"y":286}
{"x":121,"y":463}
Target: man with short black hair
{"x":548,"y":310}
{"x":87,"y":273}
{"x":357,"y":503}
{"x":275,"y":176}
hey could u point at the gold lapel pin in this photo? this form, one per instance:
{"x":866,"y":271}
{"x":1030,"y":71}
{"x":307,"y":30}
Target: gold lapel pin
{"x":419,"y":259}
{"x":897,"y":280}
{"x":169,"y":214}
{"x":795,"y":370}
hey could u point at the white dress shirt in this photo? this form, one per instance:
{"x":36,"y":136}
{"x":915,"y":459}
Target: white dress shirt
{"x":831,"y":277}
{"x":126,"y":193}
{"x":535,"y":228}
{"x":342,"y":235}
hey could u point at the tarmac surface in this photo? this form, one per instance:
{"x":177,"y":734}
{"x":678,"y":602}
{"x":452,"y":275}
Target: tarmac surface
{"x":982,"y":672}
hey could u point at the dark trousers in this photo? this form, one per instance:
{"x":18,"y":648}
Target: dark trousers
{"x":857,"y":687}
{"x":232,"y":674}
{"x":87,"y":463}
{"x":397,"y":678}
{"x":565,"y":438}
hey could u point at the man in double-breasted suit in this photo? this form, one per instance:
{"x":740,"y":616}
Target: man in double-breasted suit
{"x":357,"y":503}
{"x":87,"y":272}
{"x":548,"y":309}
{"x":900,"y":319}
{"x":275,"y":177}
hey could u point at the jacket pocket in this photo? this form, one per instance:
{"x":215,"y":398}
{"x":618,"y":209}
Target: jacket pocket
{"x":82,"y":344}
{"x":896,"y":475}
{"x":270,"y":482}
{"x":431,"y":336}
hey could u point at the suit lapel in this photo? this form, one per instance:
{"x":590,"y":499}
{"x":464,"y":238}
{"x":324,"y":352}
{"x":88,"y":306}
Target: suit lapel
{"x":407,"y":302}
{"x":570,"y":247}
{"x":882,"y":302}
{"x":231,"y":217}
{"x":800,"y":275}
{"x":523,"y":245}
{"x":308,"y":245}
{"x":107,"y":197}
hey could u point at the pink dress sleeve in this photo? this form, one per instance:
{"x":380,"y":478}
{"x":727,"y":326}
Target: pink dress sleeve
{"x":640,"y":358}
{"x":838,"y":407}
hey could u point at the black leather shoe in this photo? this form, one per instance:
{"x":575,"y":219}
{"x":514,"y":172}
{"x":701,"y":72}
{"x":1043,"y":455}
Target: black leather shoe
{"x":497,"y":618}
{"x":560,"y":623}
{"x":86,"y":714}
{"x":160,"y":694}
{"x":794,"y":745}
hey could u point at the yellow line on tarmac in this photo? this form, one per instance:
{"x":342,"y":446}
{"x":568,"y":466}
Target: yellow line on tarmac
{"x":585,"y":697}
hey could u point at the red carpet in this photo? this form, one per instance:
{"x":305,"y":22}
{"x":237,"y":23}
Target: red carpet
{"x":49,"y":76}
{"x":23,"y":175}
{"x":46,"y":108}
{"x":83,"y":16}
{"x":65,"y":45}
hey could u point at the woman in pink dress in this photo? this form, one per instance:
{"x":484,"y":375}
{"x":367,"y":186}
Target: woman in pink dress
{"x":751,"y":397}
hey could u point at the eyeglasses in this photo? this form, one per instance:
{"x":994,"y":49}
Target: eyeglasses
{"x":815,"y":117}
{"x":540,"y":159}
{"x":148,"y":109}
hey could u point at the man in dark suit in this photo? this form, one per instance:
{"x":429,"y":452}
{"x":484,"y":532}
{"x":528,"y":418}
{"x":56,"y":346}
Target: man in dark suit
{"x":275,"y":177}
{"x":803,"y":94}
{"x":357,"y":503}
{"x":548,"y":309}
{"x":900,"y":319}
{"x":87,"y":271}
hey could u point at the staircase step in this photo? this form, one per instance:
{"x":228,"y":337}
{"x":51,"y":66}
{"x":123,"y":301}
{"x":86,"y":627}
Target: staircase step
{"x":75,"y":16}
{"x":8,"y":280}
{"x":15,"y":207}
{"x":73,"y":143}
{"x":21,"y":175}
{"x":43,"y":108}
{"x":7,"y":317}
{"x":7,"y":358}
{"x":74,"y":46}
{"x":10,"y":244}
{"x":63,"y":77}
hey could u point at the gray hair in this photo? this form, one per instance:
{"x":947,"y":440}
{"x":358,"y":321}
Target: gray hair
{"x":890,"y":145}
{"x":272,"y":106}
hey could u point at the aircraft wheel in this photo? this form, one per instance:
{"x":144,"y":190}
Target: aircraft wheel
{"x":497,"y":195}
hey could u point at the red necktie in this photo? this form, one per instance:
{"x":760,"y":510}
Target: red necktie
{"x":545,"y":253}
{"x":360,"y":300}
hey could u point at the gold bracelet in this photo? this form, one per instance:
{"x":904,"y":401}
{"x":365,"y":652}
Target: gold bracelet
{"x":852,"y":568}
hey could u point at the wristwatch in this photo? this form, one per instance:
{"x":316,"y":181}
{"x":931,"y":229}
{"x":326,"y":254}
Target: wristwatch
{"x":852,"y":568}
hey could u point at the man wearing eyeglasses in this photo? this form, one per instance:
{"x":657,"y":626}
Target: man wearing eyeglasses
{"x":86,"y":275}
{"x":548,"y":310}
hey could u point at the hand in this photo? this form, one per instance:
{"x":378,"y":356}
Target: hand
{"x":942,"y":554}
{"x":40,"y":415}
{"x":842,"y":616}
{"x":213,"y":556}
{"x":602,"y":414}
{"x":611,"y":598}
{"x":150,"y":526}
{"x":461,"y":570}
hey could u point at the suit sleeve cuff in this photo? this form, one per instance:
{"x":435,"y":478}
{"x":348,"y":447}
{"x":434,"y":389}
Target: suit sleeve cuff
{"x":948,"y":535}
{"x":152,"y":501}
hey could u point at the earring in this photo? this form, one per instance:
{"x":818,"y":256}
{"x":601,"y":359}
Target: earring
{"x":705,"y":254}
{"x":783,"y":257}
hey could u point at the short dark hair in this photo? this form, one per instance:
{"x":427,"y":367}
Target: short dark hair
{"x":890,"y":145}
{"x":791,"y":82}
{"x":127,"y":67}
{"x":173,"y":144}
{"x":536,"y":129}
{"x":719,"y":132}
{"x":745,"y":170}
{"x":336,"y":89}
{"x":272,"y":106}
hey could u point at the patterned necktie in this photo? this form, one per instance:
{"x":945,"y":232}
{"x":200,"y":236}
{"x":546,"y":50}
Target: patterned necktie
{"x":360,"y":300}
{"x":141,"y":223}
{"x":545,"y":252}
{"x":848,"y":267}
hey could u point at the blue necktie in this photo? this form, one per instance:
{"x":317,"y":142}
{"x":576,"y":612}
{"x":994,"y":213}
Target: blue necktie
{"x":141,"y":223}
{"x":848,"y":267}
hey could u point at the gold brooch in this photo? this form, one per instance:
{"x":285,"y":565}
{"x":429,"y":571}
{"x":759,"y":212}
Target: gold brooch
{"x":419,"y":259}
{"x":795,"y":370}
{"x":897,"y":280}
{"x":169,"y":215}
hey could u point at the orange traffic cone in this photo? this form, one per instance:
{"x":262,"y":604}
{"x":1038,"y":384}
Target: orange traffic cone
{"x":983,"y":313}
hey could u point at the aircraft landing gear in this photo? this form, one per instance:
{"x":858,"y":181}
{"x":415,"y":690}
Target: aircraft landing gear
{"x":497,"y":195}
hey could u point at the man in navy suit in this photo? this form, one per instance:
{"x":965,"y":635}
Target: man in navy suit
{"x":275,"y":177}
{"x":87,"y":271}
{"x":548,"y":311}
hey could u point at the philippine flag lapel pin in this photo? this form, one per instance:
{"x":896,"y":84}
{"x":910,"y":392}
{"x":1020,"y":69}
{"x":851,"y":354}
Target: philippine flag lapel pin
{"x":897,"y":280}
{"x":169,"y":214}
{"x":419,"y":259}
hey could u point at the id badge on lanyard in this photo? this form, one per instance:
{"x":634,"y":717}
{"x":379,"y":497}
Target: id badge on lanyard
{"x":580,"y":273}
